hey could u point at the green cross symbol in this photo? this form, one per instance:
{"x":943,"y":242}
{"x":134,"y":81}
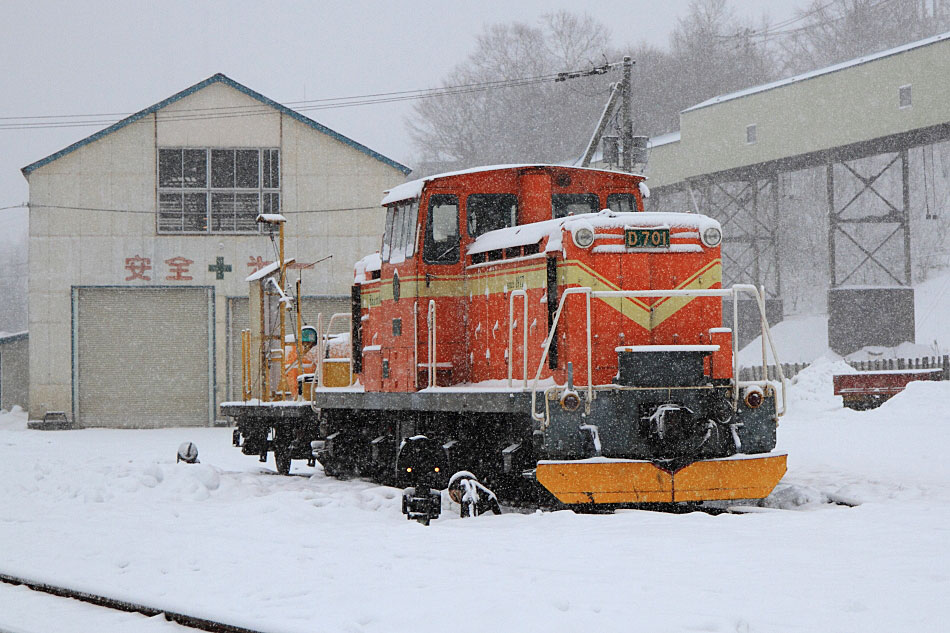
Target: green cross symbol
{"x":220,"y":268}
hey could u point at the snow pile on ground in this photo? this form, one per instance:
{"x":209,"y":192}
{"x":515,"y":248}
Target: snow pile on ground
{"x":811,"y":390}
{"x":904,"y":350}
{"x":798,"y":339}
{"x":110,"y":511}
{"x":931,"y":307}
{"x":802,"y":339}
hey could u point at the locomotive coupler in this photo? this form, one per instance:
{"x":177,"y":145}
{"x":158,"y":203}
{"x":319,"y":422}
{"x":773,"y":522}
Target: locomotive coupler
{"x":421,"y":504}
{"x":421,"y":462}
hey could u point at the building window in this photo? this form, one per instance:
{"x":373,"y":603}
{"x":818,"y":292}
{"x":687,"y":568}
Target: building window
{"x":216,"y":190}
{"x":750,"y":134}
{"x":904,"y":96}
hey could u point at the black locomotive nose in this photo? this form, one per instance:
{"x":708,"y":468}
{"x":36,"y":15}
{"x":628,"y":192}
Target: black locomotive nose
{"x":421,"y":462}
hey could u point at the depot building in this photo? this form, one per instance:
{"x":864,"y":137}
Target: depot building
{"x":142,"y":236}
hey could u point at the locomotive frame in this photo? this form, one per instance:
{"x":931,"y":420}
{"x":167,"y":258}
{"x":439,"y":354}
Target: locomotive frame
{"x":617,"y":313}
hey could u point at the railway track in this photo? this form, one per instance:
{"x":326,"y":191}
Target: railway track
{"x":190,"y":621}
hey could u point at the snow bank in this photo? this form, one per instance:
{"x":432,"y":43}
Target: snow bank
{"x":110,"y":511}
{"x":802,"y":339}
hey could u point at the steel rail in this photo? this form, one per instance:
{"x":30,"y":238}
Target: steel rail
{"x":190,"y":621}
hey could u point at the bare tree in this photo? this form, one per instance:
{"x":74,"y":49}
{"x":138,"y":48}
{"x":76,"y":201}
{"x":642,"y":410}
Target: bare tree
{"x":552,"y":122}
{"x":536,"y":122}
{"x":714,"y":53}
{"x":840,"y":30}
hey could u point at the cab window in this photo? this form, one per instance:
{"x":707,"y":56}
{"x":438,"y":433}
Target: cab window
{"x":565,"y":204}
{"x":411,"y":233}
{"x":622,"y":202}
{"x":397,"y":253}
{"x":388,"y":235}
{"x":442,"y":230}
{"x":490,"y":211}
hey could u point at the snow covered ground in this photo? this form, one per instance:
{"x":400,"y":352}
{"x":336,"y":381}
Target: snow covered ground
{"x":804,"y":338}
{"x":110,"y":511}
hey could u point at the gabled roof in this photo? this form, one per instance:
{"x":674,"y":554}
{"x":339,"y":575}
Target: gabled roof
{"x":218,"y":78}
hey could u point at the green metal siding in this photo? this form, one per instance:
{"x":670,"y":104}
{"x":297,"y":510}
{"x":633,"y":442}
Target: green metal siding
{"x":854,"y":104}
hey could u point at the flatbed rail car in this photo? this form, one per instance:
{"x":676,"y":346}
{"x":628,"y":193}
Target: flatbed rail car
{"x":870,"y":389}
{"x":544,"y":329}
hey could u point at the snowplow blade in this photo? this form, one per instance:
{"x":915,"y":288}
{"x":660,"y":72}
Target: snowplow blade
{"x":632,"y":481}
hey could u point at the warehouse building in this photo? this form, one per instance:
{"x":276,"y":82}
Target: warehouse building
{"x":142,"y":235}
{"x":14,"y":370}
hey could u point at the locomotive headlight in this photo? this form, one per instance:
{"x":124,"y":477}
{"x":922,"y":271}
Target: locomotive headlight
{"x":583,"y":236}
{"x":712,"y":236}
{"x":753,"y":397}
{"x":570,"y":401}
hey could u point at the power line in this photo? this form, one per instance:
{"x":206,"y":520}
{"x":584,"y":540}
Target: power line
{"x":62,"y":121}
{"x":495,"y":82}
{"x":775,"y":30}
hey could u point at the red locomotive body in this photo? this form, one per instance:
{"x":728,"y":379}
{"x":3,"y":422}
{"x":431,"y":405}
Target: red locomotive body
{"x":536,"y":323}
{"x":471,"y":285}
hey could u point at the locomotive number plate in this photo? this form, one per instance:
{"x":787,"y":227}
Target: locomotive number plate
{"x":646,"y":238}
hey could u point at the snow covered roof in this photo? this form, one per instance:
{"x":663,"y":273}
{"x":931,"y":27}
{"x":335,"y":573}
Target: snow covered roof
{"x":267,"y":270}
{"x":413,"y":188}
{"x":11,"y":338}
{"x":821,"y":71}
{"x":368,"y":264}
{"x":217,"y":78}
{"x":663,"y":139}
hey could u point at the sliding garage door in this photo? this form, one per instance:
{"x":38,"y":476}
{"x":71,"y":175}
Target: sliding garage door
{"x":143,"y":357}
{"x":238,"y":320}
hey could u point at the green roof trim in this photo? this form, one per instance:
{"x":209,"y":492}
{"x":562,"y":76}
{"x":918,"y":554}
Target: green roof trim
{"x":217,"y":78}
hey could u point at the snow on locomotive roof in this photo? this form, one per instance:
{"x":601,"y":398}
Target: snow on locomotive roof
{"x":368,"y":264}
{"x":525,"y":234}
{"x":413,"y":188}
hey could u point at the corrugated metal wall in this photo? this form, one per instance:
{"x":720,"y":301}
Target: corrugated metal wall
{"x":14,"y":371}
{"x":143,"y":357}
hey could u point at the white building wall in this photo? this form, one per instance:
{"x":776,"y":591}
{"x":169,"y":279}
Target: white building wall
{"x":74,"y":247}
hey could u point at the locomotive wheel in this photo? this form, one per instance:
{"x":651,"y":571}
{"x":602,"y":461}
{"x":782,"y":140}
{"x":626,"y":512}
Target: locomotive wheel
{"x":282,"y":459}
{"x":281,"y":445}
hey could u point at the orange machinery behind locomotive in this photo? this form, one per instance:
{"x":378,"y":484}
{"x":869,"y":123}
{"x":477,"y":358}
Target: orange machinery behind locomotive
{"x":538,"y":325}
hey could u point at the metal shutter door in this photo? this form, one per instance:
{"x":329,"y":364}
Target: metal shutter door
{"x":237,"y":321}
{"x":143,"y":357}
{"x":312,"y":306}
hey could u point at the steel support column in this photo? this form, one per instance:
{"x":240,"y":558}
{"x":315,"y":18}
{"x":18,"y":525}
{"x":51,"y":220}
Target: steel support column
{"x":862,"y":249}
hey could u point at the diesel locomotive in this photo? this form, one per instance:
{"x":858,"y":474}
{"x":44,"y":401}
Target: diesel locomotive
{"x":547,"y":333}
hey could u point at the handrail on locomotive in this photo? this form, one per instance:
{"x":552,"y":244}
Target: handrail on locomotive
{"x":588,"y":293}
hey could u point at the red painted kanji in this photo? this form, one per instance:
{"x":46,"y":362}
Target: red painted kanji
{"x":178,"y":266}
{"x":256,"y":263}
{"x":138,"y":266}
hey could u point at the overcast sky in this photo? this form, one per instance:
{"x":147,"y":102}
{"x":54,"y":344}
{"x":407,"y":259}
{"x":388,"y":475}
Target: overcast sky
{"x":120,"y":57}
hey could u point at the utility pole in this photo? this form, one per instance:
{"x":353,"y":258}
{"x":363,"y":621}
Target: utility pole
{"x":626,"y":125}
{"x":619,"y":92}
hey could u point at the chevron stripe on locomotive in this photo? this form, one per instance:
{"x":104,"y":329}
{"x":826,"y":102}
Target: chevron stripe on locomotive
{"x":541,"y":328}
